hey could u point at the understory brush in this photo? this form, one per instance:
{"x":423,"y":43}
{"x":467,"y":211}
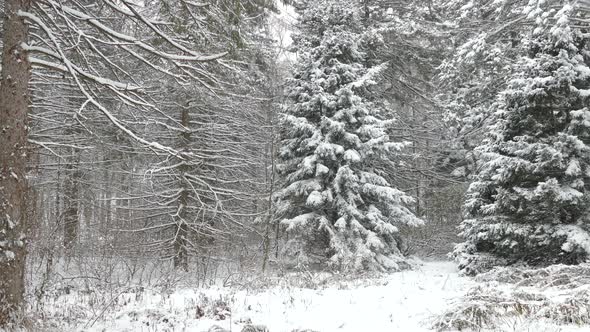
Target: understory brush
{"x":81,"y":297}
{"x":559,"y":294}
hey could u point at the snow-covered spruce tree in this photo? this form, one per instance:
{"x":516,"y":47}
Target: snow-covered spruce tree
{"x":336,"y":205}
{"x":528,"y":202}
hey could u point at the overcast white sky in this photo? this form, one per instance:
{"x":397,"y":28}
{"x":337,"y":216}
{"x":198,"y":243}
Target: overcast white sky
{"x":281,"y":27}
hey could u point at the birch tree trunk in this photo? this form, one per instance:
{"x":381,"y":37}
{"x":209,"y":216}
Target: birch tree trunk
{"x":14,"y":106}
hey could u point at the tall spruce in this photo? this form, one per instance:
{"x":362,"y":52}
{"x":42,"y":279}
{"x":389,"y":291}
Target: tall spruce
{"x":486,"y":42}
{"x":528,"y":202}
{"x":337,"y":206}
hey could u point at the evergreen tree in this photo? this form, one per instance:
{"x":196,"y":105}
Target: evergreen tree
{"x":336,"y":204}
{"x":528,"y":202}
{"x":486,"y":42}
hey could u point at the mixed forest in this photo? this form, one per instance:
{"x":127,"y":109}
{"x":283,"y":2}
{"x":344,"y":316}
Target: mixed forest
{"x":149,"y":141}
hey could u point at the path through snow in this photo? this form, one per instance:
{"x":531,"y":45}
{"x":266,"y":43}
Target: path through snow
{"x":405,"y":301}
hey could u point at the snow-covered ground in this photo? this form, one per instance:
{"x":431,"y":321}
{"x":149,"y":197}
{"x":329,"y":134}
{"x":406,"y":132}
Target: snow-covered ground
{"x":403,"y":301}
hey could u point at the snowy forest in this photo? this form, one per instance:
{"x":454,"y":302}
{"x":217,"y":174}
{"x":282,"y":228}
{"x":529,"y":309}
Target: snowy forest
{"x":295,"y":165}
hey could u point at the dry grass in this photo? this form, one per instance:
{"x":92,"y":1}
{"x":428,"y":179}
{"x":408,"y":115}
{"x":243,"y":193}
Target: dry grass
{"x":560,"y":294}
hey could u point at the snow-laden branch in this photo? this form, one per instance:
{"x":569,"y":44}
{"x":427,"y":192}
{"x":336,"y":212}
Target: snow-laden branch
{"x":70,"y":68}
{"x":193,"y":56}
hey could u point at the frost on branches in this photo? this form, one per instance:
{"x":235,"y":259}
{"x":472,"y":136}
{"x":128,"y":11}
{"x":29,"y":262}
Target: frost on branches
{"x":336,"y":205}
{"x":528,"y":202}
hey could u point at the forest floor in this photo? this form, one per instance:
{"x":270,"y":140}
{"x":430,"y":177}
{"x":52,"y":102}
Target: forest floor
{"x":431,"y":296}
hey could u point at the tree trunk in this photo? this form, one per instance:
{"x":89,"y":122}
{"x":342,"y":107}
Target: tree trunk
{"x":270,"y":181}
{"x":71,"y":214}
{"x":181,"y":236}
{"x":180,"y":246}
{"x":14,"y":106}
{"x":107,"y":204}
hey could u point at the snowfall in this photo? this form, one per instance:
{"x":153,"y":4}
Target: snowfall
{"x":412,"y":300}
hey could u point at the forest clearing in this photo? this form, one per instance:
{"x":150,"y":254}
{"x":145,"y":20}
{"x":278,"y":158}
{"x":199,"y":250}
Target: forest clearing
{"x":295,"y":165}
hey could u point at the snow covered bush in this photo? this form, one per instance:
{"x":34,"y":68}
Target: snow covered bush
{"x":558,"y":294}
{"x":528,"y":201}
{"x":337,"y":206}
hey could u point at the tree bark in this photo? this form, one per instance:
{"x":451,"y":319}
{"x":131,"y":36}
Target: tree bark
{"x":14,"y":106}
{"x":71,"y":213}
{"x":181,"y":236}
